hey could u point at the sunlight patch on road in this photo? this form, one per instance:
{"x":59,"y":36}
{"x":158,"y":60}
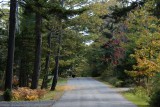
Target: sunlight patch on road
{"x":65,"y":88}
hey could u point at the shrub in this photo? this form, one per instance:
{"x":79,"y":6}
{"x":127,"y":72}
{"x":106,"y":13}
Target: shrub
{"x":119,"y":83}
{"x":7,"y":95}
{"x":112,"y":80}
{"x":107,"y":74}
{"x":25,"y":93}
{"x":155,"y":99}
{"x":116,"y":82}
{"x":155,"y":92}
{"x":141,"y":92}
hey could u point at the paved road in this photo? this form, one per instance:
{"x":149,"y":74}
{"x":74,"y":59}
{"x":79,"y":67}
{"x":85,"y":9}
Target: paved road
{"x":91,"y":93}
{"x":27,"y":104}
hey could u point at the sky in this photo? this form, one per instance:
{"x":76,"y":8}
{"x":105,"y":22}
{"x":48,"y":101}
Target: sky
{"x":2,"y":4}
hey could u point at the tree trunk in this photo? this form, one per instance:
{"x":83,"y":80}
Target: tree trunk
{"x":55,"y":77}
{"x":11,"y":45}
{"x":45,"y":79}
{"x":37,"y":63}
{"x":23,"y":76}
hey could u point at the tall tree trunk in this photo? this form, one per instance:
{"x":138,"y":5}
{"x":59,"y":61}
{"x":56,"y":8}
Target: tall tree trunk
{"x":11,"y":45}
{"x":55,"y":77}
{"x":23,"y":76}
{"x":37,"y":63}
{"x":45,"y":79}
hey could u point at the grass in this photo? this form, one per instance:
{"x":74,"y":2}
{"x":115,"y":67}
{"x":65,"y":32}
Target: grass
{"x":55,"y":95}
{"x":135,"y":99}
{"x":52,"y":95}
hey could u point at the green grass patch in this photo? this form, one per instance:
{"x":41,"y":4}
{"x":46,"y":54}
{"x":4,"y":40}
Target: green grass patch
{"x":52,"y":95}
{"x":55,"y":95}
{"x":135,"y":99}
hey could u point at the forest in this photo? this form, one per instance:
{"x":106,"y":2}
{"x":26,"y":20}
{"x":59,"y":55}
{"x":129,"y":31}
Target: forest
{"x":42,"y":41}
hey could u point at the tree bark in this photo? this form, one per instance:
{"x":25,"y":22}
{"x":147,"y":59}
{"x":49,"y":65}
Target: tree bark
{"x":55,"y":77}
{"x":37,"y":64}
{"x":56,"y":70}
{"x":11,"y":45}
{"x":45,"y":79}
{"x":23,"y":75}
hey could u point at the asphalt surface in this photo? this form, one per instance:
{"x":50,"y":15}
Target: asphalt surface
{"x":91,"y":93}
{"x":27,"y":104}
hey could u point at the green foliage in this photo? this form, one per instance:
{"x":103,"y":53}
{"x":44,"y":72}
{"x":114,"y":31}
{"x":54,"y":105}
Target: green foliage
{"x":115,"y":82}
{"x":155,"y":91}
{"x":140,"y":92}
{"x":155,"y":98}
{"x":143,"y":32}
{"x":7,"y":95}
{"x":135,"y":99}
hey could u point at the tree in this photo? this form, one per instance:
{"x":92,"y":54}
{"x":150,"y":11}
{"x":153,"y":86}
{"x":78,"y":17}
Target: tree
{"x":11,"y":45}
{"x":56,"y":69}
{"x":143,"y":33}
{"x":62,"y":16}
{"x":25,"y":45}
{"x":45,"y":78}
{"x":37,"y":64}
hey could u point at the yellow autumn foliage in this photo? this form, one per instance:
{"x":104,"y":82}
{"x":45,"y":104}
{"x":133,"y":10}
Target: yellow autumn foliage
{"x":145,"y":32}
{"x":25,"y":93}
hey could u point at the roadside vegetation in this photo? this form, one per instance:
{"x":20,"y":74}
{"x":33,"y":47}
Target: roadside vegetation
{"x":116,"y":40}
{"x":138,"y":100}
{"x":27,"y":94}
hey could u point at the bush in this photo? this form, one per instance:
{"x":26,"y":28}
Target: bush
{"x":119,"y":83}
{"x":107,"y":74}
{"x":141,"y":92}
{"x":7,"y":95}
{"x":155,"y":99}
{"x":155,"y":92}
{"x":129,"y":83}
{"x":25,"y":93}
{"x":114,"y":81}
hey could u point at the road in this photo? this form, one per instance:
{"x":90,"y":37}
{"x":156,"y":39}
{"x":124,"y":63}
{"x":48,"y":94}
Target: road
{"x":91,"y":93}
{"x":87,"y":92}
{"x":27,"y":104}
